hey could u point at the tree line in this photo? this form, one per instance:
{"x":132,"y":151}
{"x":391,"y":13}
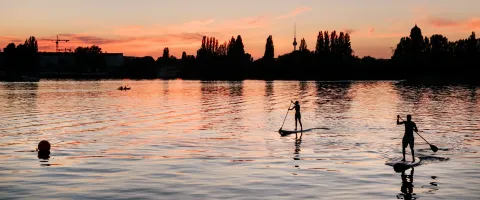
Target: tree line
{"x":437,"y":56}
{"x":20,"y":60}
{"x":332,"y":57}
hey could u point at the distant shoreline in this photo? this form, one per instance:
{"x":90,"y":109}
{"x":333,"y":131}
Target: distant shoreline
{"x":398,"y":81}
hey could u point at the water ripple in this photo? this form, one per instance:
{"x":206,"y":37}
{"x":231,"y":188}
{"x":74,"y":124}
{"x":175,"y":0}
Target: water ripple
{"x":219,"y":139}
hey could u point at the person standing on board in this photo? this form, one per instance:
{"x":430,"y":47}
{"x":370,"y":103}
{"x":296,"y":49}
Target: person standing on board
{"x":408,"y":139}
{"x":298,"y":117}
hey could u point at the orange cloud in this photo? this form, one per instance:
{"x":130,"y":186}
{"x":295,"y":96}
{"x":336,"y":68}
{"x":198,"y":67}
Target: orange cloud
{"x":470,"y":24}
{"x":245,"y":23}
{"x":295,"y":12}
{"x":387,"y":35}
{"x":372,"y":33}
{"x":11,"y":39}
{"x":442,"y":23}
{"x":474,"y":23}
{"x":350,"y":31}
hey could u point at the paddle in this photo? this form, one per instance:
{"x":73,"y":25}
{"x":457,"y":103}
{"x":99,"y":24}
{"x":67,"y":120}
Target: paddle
{"x":433,"y":147}
{"x":285,"y":117}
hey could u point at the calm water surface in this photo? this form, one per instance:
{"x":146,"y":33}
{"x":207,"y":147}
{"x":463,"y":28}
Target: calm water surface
{"x":218,"y":140}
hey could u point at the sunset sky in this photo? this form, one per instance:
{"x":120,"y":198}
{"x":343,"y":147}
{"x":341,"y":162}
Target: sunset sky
{"x":145,"y":27}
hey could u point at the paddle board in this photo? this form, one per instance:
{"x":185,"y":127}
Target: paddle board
{"x":408,"y":163}
{"x":288,"y":132}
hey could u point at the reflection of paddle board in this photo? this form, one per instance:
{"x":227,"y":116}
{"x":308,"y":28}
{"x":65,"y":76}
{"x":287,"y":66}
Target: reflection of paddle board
{"x":288,"y":132}
{"x":400,"y":165}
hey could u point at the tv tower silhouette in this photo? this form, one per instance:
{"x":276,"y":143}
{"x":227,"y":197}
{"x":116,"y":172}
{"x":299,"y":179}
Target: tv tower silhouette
{"x":295,"y":37}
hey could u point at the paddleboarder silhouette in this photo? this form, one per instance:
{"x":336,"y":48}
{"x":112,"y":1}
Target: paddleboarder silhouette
{"x":408,"y":139}
{"x":298,"y":116}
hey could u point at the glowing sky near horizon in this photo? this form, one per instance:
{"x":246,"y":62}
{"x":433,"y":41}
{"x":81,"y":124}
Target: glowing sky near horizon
{"x":145,"y":27}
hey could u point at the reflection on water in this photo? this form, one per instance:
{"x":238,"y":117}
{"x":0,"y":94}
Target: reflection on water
{"x":298,"y":143}
{"x":219,"y":140}
{"x":432,"y":186}
{"x":407,"y":186}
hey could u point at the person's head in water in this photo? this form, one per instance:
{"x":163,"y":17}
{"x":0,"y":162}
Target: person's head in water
{"x":44,"y":146}
{"x":44,"y":149}
{"x":409,"y":117}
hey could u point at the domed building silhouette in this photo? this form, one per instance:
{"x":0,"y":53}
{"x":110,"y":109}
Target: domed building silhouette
{"x":417,"y":41}
{"x":416,"y":33}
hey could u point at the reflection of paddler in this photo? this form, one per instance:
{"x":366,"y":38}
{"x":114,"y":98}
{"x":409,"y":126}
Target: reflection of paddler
{"x":407,"y":185}
{"x":298,"y":142}
{"x":44,"y":149}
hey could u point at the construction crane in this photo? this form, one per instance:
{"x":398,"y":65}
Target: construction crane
{"x":56,"y":42}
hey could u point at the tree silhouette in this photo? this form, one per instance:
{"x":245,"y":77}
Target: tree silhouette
{"x":11,"y":59}
{"x":403,"y":49}
{"x":320,"y":46}
{"x":239,"y":48}
{"x":222,"y":49}
{"x":439,"y":48}
{"x":341,"y":45}
{"x":472,"y":45}
{"x":303,"y":45}
{"x":89,"y":50}
{"x":334,"y":43}
{"x":166,"y":53}
{"x":204,"y":46}
{"x":184,"y":55}
{"x":231,"y":47}
{"x":31,"y":44}
{"x":89,"y":59}
{"x":347,"y":46}
{"x":427,"y":45}
{"x":269,"y":49}
{"x":327,"y":42}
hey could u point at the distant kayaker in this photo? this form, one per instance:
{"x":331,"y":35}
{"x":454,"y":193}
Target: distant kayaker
{"x":408,"y":139}
{"x":298,"y":117}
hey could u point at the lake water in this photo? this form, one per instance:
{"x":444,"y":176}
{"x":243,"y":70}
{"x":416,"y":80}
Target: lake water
{"x":219,"y":140}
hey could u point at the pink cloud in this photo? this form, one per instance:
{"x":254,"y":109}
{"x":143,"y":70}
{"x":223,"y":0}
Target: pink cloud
{"x":470,"y":24}
{"x":442,"y":23}
{"x":206,"y":27}
{"x":350,"y":31}
{"x":241,"y":24}
{"x":11,"y":39}
{"x":295,"y":12}
{"x":200,"y":22}
{"x":372,"y":33}
{"x":474,"y":23}
{"x":387,"y":35}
